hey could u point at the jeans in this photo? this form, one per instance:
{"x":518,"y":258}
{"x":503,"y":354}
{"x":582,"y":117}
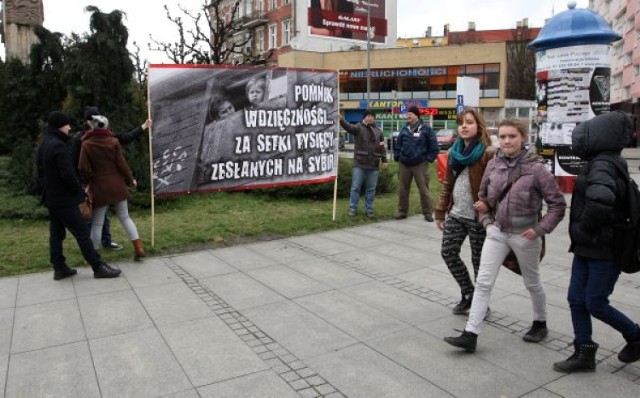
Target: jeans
{"x":358,"y":177}
{"x":496,"y":247}
{"x":60,"y":219}
{"x":106,"y":230}
{"x":122,"y":212}
{"x":592,"y":282}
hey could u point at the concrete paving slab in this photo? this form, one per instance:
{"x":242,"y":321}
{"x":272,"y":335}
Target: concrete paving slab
{"x":353,"y":239}
{"x":37,"y":288}
{"x":183,"y":394}
{"x":46,"y":325}
{"x":459,"y":373}
{"x":8,"y":291}
{"x":137,"y":364}
{"x":322,"y":244}
{"x":351,"y":316}
{"x":359,"y":371}
{"x":298,"y":330}
{"x":242,"y":259}
{"x":6,"y":329}
{"x":329,"y":273}
{"x":210,"y":352}
{"x":149,"y":272}
{"x":377,"y":263}
{"x":540,"y":393}
{"x":280,"y":251}
{"x":172,"y":303}
{"x":406,"y":307}
{"x":202,"y":264}
{"x":258,"y":385}
{"x":287,"y":282}
{"x":86,"y":285}
{"x":397,"y":250}
{"x":113,"y":313}
{"x":429,"y":247}
{"x":241,"y":291}
{"x":62,"y":371}
{"x":593,"y":385}
{"x":4,"y":364}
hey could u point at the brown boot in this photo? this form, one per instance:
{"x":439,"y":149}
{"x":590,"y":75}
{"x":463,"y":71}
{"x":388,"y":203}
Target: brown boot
{"x":138,"y":249}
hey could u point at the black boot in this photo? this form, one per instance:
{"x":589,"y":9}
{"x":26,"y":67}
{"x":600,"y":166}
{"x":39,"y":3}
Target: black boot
{"x":582,"y":360}
{"x":630,"y":352}
{"x":537,"y":332}
{"x":63,"y":272}
{"x":466,"y":340}
{"x":463,"y":306}
{"x":104,"y":271}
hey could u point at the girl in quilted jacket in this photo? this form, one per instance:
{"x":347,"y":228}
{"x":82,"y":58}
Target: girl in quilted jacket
{"x":513,"y":187}
{"x":468,"y":159}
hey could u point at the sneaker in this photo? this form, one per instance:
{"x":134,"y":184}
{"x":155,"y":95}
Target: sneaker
{"x":370,"y":214}
{"x":105,"y":271}
{"x":63,"y":273}
{"x":630,"y":352}
{"x":537,"y":333}
{"x":113,"y":246}
{"x":428,"y":218}
{"x":400,"y":216}
{"x":463,"y":306}
{"x":466,"y":341}
{"x":352,"y":212}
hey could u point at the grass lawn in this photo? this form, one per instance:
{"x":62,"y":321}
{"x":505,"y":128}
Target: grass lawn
{"x":186,"y":223}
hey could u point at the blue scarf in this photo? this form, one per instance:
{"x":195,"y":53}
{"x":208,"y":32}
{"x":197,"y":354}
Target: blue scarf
{"x":461,"y":157}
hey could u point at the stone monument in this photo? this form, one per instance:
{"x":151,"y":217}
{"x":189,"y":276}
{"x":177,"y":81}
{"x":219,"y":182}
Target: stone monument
{"x":18,"y":19}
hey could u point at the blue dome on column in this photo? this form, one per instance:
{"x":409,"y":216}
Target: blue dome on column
{"x":573,"y":27}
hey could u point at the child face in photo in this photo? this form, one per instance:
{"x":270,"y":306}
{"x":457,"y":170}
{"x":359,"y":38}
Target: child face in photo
{"x":255,"y":94}
{"x":225,"y":109}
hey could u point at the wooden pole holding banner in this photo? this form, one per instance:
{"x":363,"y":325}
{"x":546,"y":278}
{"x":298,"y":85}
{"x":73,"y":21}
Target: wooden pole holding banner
{"x":335,"y":182}
{"x":153,"y":209}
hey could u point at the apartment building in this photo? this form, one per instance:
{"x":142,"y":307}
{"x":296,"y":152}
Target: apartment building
{"x":624,"y":18}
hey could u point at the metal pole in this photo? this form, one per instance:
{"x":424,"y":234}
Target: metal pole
{"x":368,"y":54}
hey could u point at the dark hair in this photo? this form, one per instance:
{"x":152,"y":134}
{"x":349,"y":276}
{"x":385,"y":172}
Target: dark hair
{"x":483,"y":133}
{"x":515,"y":124}
{"x":368,"y":112}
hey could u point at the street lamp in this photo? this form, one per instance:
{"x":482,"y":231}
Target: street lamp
{"x":368,"y":53}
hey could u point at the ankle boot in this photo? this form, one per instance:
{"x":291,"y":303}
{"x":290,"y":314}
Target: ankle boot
{"x":138,"y":250}
{"x":466,"y":341}
{"x":582,"y":360}
{"x":537,"y":333}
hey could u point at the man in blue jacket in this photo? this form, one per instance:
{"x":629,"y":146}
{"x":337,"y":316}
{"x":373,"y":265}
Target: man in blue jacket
{"x":417,"y":145}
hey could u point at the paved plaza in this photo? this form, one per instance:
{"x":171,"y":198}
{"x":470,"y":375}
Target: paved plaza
{"x":357,"y":312}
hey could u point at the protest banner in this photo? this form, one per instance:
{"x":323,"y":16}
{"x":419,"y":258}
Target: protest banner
{"x":234,"y":127}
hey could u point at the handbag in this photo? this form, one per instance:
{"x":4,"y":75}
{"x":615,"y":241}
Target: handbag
{"x":86,"y":207}
{"x":511,"y":261}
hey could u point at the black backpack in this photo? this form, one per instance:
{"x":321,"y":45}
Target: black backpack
{"x":627,"y":233}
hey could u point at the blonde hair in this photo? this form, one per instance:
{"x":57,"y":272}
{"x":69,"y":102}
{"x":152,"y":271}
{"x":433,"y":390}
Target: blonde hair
{"x":483,"y":133}
{"x":516,"y":125}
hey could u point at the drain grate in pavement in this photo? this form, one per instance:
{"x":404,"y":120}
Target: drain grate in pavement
{"x":291,"y":369}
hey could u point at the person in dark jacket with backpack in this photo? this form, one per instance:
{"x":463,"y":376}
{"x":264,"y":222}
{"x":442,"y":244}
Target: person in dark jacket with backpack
{"x":417,"y":145}
{"x":368,"y":152}
{"x":62,"y":193}
{"x":596,"y":207}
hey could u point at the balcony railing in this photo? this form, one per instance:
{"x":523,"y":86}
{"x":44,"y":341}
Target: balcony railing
{"x":254,"y":19}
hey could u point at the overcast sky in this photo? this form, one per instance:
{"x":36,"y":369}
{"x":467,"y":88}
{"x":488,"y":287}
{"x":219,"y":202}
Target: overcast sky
{"x":146,"y":17}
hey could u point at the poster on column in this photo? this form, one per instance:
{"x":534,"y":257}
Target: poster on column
{"x":572,"y":87}
{"x":233,"y":128}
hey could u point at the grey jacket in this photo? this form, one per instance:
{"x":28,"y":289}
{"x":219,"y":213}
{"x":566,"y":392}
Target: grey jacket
{"x":519,"y":209}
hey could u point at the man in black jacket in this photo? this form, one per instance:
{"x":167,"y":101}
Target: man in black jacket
{"x":62,"y":193}
{"x":595,"y":209}
{"x":124,"y":139}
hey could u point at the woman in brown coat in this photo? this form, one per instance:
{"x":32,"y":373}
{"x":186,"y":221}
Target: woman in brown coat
{"x":103,"y":167}
{"x":468,"y":158}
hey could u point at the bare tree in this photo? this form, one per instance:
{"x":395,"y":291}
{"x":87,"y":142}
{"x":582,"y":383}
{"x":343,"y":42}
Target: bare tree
{"x":521,"y":65}
{"x":227,"y":38}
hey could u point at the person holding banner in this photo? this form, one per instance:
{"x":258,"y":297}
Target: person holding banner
{"x":369,"y":151}
{"x":468,"y":158}
{"x":417,"y":146}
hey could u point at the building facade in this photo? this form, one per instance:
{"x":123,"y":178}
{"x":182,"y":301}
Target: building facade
{"x":624,"y":18}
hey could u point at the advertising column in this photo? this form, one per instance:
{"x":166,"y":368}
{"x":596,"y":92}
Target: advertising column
{"x":573,"y":70}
